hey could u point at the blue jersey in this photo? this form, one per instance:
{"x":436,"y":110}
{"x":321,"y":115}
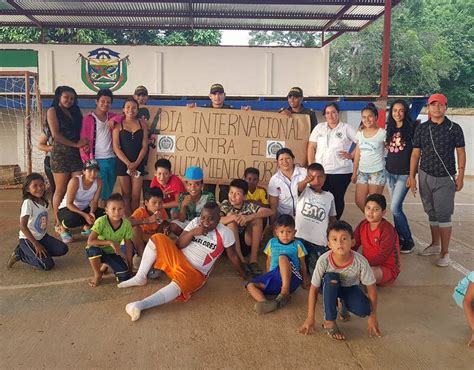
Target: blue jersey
{"x":294,"y":251}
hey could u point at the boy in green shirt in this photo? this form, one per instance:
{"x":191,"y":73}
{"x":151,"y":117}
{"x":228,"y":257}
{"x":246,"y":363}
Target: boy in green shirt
{"x":103,"y":245}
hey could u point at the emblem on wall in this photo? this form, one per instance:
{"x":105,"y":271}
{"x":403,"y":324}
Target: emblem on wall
{"x":103,"y":68}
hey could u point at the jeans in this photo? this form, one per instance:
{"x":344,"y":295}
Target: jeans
{"x":398,"y":190}
{"x":116,"y":263}
{"x":353,"y":297}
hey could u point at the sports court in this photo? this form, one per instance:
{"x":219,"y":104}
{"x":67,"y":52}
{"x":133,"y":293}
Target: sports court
{"x":55,"y":320}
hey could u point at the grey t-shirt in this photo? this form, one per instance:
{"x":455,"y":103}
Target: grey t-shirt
{"x":356,"y":272}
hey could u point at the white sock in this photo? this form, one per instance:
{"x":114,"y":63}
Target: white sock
{"x":164,"y":295}
{"x":148,"y":260}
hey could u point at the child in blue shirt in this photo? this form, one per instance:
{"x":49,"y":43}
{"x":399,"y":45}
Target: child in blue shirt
{"x":285,"y":265}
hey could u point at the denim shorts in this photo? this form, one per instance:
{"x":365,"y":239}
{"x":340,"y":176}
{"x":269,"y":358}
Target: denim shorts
{"x":372,"y":178}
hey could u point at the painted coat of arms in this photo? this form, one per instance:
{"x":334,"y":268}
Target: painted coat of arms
{"x":103,"y":68}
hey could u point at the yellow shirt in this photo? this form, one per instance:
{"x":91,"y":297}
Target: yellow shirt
{"x":260,"y":195}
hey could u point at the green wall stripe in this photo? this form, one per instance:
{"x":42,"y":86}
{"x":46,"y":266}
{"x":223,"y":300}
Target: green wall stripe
{"x":18,"y":58}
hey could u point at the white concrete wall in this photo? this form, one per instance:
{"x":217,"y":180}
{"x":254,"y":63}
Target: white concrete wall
{"x":175,"y":70}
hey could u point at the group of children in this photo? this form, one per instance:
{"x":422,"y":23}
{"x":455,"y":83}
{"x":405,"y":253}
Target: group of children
{"x":311,"y":249}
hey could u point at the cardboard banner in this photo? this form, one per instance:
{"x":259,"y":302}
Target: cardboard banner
{"x":224,"y":142}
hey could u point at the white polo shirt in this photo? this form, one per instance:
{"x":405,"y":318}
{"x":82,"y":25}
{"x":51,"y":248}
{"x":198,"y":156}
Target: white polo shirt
{"x":331,"y":141}
{"x":286,"y":190}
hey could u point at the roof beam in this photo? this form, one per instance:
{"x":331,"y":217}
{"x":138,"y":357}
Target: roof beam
{"x":22,"y":12}
{"x":338,"y":15}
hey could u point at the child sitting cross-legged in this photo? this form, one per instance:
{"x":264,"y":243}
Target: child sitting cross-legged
{"x":245,"y":219}
{"x":103,"y":245}
{"x":339,"y":273}
{"x":377,"y":241}
{"x":286,"y":268}
{"x":187,"y":263}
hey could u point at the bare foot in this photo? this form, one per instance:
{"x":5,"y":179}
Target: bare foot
{"x":96,"y":280}
{"x":104,"y":268}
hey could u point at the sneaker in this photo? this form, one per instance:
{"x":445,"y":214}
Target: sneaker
{"x":266,"y":306}
{"x":66,"y":237}
{"x":86,"y":232}
{"x":282,"y":300}
{"x":12,"y":259}
{"x":430,"y":250}
{"x":407,"y":246}
{"x":154,"y":273}
{"x":443,"y":261}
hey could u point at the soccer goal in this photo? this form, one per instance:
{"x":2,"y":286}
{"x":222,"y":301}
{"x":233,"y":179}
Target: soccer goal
{"x":20,"y":126}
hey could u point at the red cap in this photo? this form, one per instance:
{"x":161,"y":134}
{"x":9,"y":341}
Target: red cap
{"x":440,"y":98}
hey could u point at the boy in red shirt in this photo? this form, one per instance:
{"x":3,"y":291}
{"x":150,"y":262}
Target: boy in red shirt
{"x":171,"y":185}
{"x":378,"y":240}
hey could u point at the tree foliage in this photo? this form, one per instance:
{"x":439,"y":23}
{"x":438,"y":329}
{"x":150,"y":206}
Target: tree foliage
{"x":431,"y":50}
{"x":117,"y":37}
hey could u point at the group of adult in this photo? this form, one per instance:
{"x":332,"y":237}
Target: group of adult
{"x":119,"y":144}
{"x":332,"y":143}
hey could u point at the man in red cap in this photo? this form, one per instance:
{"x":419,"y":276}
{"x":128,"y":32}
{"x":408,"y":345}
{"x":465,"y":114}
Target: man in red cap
{"x":434,"y":144}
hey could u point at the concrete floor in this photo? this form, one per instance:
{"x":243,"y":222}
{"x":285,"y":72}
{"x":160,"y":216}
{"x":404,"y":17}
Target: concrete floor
{"x":54,"y":320}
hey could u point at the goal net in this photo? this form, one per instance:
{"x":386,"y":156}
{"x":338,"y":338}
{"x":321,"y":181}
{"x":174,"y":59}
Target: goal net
{"x":20,"y":126}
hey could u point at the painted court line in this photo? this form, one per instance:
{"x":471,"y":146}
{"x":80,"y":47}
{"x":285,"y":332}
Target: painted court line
{"x":46,"y":284}
{"x":455,"y":265}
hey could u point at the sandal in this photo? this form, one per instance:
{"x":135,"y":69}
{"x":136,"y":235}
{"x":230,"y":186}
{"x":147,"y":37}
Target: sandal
{"x":255,"y":269}
{"x":86,"y":232}
{"x":333,"y":332}
{"x":66,"y":237}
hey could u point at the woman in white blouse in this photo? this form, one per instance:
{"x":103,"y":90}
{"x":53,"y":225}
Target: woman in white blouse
{"x":329,"y":144}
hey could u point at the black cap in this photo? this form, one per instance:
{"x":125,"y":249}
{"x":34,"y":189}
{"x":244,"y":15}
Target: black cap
{"x":216,"y":88}
{"x":296,"y":92}
{"x":141,"y":90}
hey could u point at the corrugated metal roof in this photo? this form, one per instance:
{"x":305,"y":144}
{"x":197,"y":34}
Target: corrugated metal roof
{"x":297,"y":15}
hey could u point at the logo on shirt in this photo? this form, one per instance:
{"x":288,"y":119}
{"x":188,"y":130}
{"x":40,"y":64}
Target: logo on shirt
{"x":216,"y":249}
{"x":313,"y":211}
{"x":339,"y":135}
{"x":41,"y":222}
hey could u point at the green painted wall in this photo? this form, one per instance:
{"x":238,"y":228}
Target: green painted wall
{"x":18,"y":58}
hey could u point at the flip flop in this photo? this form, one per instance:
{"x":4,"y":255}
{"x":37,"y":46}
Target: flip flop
{"x":332,"y":332}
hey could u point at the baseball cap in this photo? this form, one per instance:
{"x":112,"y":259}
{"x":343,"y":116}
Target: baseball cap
{"x":440,"y":98}
{"x":296,"y":92}
{"x":141,"y":90}
{"x":90,"y":164}
{"x":216,"y":88}
{"x":194,"y":174}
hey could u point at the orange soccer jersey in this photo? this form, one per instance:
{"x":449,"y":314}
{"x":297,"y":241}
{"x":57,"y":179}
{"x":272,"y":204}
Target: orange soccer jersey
{"x":141,"y":213}
{"x":175,"y":265}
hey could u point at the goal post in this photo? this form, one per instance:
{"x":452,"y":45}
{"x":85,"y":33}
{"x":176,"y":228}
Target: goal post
{"x":20,"y":126}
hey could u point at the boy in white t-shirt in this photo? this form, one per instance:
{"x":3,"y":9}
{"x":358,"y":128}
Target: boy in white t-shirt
{"x":315,"y":210}
{"x":187,"y":263}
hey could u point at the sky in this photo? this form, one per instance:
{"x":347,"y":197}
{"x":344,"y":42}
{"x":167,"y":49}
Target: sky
{"x":234,"y":37}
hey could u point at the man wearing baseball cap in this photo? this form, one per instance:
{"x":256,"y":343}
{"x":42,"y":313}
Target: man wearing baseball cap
{"x":295,"y":98}
{"x":217,"y":97}
{"x":434,"y":144}
{"x":141,"y":95}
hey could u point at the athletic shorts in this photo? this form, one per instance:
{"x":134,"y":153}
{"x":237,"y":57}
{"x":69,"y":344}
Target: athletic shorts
{"x":176,"y":266}
{"x":372,"y":178}
{"x":272,"y":281}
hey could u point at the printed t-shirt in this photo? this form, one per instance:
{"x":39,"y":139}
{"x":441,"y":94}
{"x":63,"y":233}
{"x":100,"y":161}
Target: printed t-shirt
{"x":37,"y":221}
{"x":194,"y":209}
{"x":329,"y":143}
{"x":103,"y":139}
{"x":204,"y":250}
{"x":313,"y":210}
{"x":173,"y":188}
{"x":293,"y":250}
{"x":141,"y":213}
{"x":399,"y":153}
{"x":372,"y":150}
{"x":105,"y":231}
{"x":380,"y":246}
{"x":259,"y":195}
{"x":355,"y":272}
